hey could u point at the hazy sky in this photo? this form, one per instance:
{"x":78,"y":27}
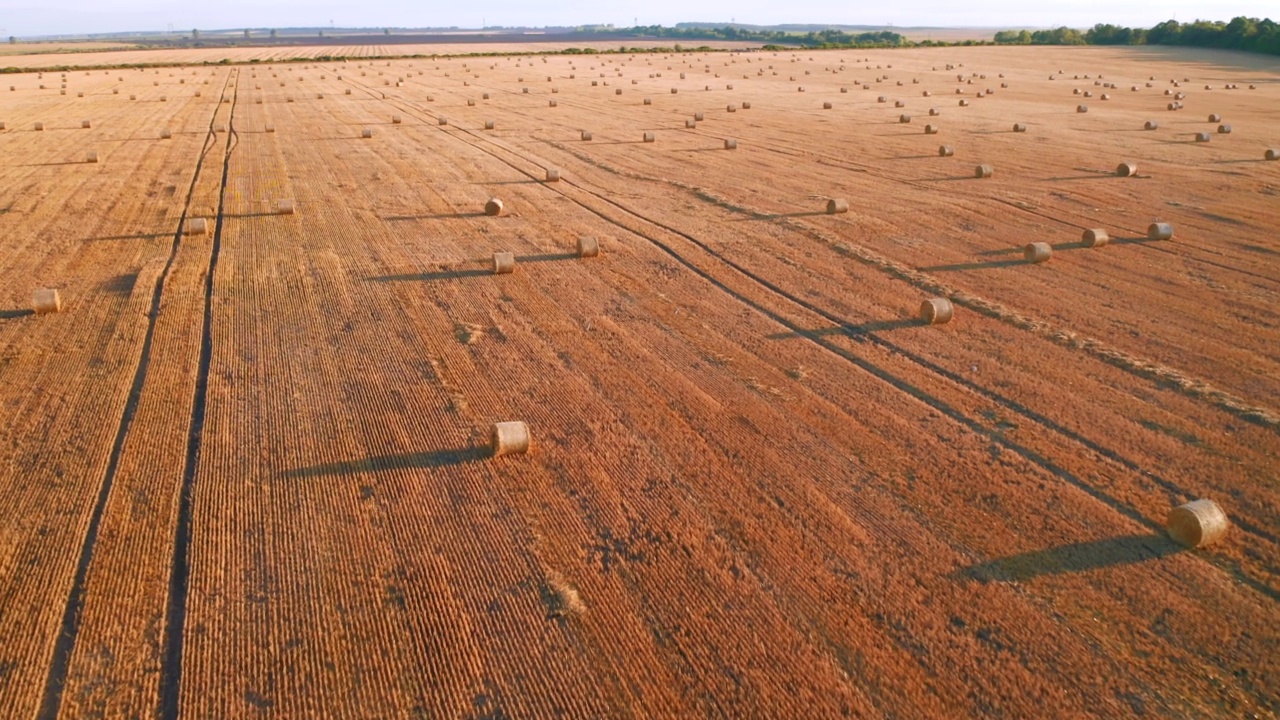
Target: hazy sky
{"x":25,"y":17}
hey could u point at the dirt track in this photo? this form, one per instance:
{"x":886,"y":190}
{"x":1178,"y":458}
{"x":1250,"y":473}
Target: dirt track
{"x":243,"y":473}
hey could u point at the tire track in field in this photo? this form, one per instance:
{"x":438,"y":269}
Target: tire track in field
{"x":179,"y":576}
{"x":908,"y":274}
{"x":55,"y":682}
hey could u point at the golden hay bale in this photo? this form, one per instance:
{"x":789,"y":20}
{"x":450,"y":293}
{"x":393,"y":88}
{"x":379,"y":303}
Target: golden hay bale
{"x":348,"y":91}
{"x":946,"y":151}
{"x":649,"y":137}
{"x":1215,"y":117}
{"x":1159,"y":231}
{"x":1151,"y":125}
{"x":196,"y":226}
{"x":964,"y":103}
{"x":46,"y":300}
{"x":617,"y":91}
{"x":1202,"y":137}
{"x":553,"y":174}
{"x":1127,"y":169}
{"x":730,"y":144}
{"x":509,"y":438}
{"x":442,"y":120}
{"x":688,"y":124}
{"x":1272,"y":154}
{"x":983,"y":171}
{"x":484,"y":96}
{"x":39,"y":127}
{"x":366,"y":133}
{"x":648,"y":101}
{"x":166,"y":134}
{"x":86,"y":124}
{"x":934,"y":111}
{"x":1095,"y":237}
{"x":904,"y":118}
{"x":493,"y":207}
{"x":396,"y":119}
{"x":1019,"y":128}
{"x":899,"y":104}
{"x":698,"y":116}
{"x":285,"y":207}
{"x":926,"y":93}
{"x":826,"y":106}
{"x":1197,"y":523}
{"x":931,"y":129}
{"x":1037,"y":252}
{"x":673,"y":91}
{"x":91,"y":157}
{"x":586,"y":135}
{"x":588,"y":247}
{"x":936,"y":311}
{"x":745,"y":106}
{"x":488,"y":125}
{"x":504,"y":263}
{"x":836,"y":206}
{"x":1224,"y":129}
{"x":271,"y":128}
{"x":1082,"y":108}
{"x":882,"y":99}
{"x":552,"y":103}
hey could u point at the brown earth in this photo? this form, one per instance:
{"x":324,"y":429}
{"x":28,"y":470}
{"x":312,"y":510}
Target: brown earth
{"x":244,"y":473}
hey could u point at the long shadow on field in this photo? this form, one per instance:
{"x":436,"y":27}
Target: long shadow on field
{"x":432,"y":459}
{"x":780,"y":216}
{"x":1073,"y":558}
{"x":988,"y":265}
{"x":14,"y":314}
{"x":852,"y":331}
{"x":473,"y":272}
{"x":444,"y":216}
{"x":139,"y":236}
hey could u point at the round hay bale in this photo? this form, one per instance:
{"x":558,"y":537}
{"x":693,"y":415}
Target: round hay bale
{"x":946,"y":151}
{"x":1202,"y":137}
{"x":1224,"y":129}
{"x":553,"y":103}
{"x":509,"y":438}
{"x":488,"y":125}
{"x":586,"y":135}
{"x":617,"y":91}
{"x":931,"y":129}
{"x":826,"y":106}
{"x":837,"y":206}
{"x":673,"y":91}
{"x":934,"y":111}
{"x":1088,"y":93}
{"x":1272,"y":154}
{"x":1197,"y":523}
{"x":86,"y":124}
{"x":91,"y":157}
{"x":1127,"y":169}
{"x":882,"y":99}
{"x":983,"y":171}
{"x":46,"y":300}
{"x":166,"y":134}
{"x":1095,"y":237}
{"x":366,"y":133}
{"x":730,"y":144}
{"x":698,"y":116}
{"x":904,"y":118}
{"x":39,"y":127}
{"x":899,"y":104}
{"x":1019,"y":128}
{"x":650,"y":137}
{"x":504,"y":263}
{"x":647,"y":101}
{"x":588,"y":247}
{"x":964,"y":103}
{"x":926,"y":93}
{"x":1151,"y":125}
{"x":484,"y":96}
{"x":1037,"y":252}
{"x":553,"y":175}
{"x":936,"y":311}
{"x":1082,"y":108}
{"x":1173,"y":106}
{"x":689,"y":124}
{"x":1215,"y":117}
{"x":197,"y":226}
{"x":285,"y":207}
{"x":442,"y":120}
{"x":395,"y":119}
{"x":745,"y":106}
{"x":1159,"y":231}
{"x":271,"y":128}
{"x":493,"y":207}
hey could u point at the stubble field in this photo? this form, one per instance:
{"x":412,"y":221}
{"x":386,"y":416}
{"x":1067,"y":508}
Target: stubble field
{"x":245,"y":473}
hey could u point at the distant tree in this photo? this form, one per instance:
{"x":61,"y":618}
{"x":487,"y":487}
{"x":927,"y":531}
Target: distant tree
{"x":321,"y":33}
{"x":246,"y":33}
{"x":195,"y":34}
{"x":13,"y":40}
{"x":273,"y":33}
{"x":386,"y":31}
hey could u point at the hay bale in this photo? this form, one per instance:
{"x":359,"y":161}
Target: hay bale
{"x":882,"y":99}
{"x":904,"y":119}
{"x":1127,"y":169}
{"x":698,"y":116}
{"x":39,"y":127}
{"x":730,"y":144}
{"x":649,"y":137}
{"x":1272,"y":154}
{"x":488,"y":125}
{"x":504,"y":263}
{"x":552,"y":103}
{"x":964,"y":103}
{"x":946,"y":151}
{"x":1202,"y":137}
{"x":673,"y":91}
{"x":1019,"y":128}
{"x":926,"y":93}
{"x":1215,"y":117}
{"x":1151,"y":125}
{"x":493,"y":207}
{"x":196,"y":226}
{"x":395,"y":119}
{"x":745,"y":106}
{"x":586,"y":135}
{"x":484,"y":96}
{"x":1197,"y":523}
{"x":1082,"y":108}
{"x":930,"y":129}
{"x":837,"y":206}
{"x":91,"y":157}
{"x":46,"y":300}
{"x":1224,"y":129}
{"x":983,"y":171}
{"x":1037,"y":252}
{"x":647,"y":101}
{"x":285,"y":207}
{"x":689,"y":124}
{"x":826,"y":106}
{"x":588,"y":247}
{"x":509,"y":438}
{"x":1159,"y":231}
{"x":86,"y":124}
{"x":553,"y":175}
{"x":166,"y":134}
{"x":366,"y":133}
{"x":934,"y":111}
{"x":1095,"y":237}
{"x":442,"y":120}
{"x":936,"y":311}
{"x":271,"y":128}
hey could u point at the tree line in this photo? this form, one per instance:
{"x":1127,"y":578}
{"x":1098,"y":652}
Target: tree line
{"x":812,"y":39}
{"x":1242,"y":33}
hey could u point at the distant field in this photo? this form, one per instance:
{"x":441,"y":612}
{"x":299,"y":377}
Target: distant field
{"x":245,"y":473}
{"x":26,"y":48}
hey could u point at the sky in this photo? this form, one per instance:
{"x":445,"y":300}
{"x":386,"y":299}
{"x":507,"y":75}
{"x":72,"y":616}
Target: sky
{"x":28,"y":18}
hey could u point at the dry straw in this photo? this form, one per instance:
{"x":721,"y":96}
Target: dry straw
{"x":1224,"y":129}
{"x":730,"y":144}
{"x":586,"y":135}
{"x":553,"y":175}
{"x":649,"y":137}
{"x":1272,"y":154}
{"x":509,"y":438}
{"x":936,"y":311}
{"x":46,"y":300}
{"x":588,"y":247}
{"x":1094,"y":237}
{"x":1197,"y":523}
{"x":1151,"y":125}
{"x":1037,"y":252}
{"x":1127,"y":169}
{"x":983,"y":171}
{"x":930,"y":129}
{"x":1019,"y":128}
{"x":836,"y":206}
{"x":493,"y":207}
{"x":197,"y":226}
{"x":395,"y":120}
{"x":285,"y":207}
{"x":946,"y":151}
{"x":488,"y":125}
{"x":504,"y":263}
{"x":1202,"y":137}
{"x":91,"y":157}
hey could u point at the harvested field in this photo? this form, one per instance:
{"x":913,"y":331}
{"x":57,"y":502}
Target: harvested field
{"x":248,"y":472}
